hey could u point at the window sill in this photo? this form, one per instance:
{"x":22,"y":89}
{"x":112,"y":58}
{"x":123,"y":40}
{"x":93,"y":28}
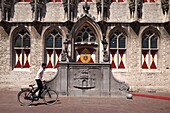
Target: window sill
{"x":22,"y":69}
{"x":150,"y":70}
{"x":51,"y":69}
{"x":119,"y":70}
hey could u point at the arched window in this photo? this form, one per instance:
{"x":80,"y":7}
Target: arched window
{"x":53,"y":47}
{"x":117,"y":43}
{"x":85,"y":43}
{"x":149,"y":50}
{"x":85,"y":35}
{"x":21,"y":49}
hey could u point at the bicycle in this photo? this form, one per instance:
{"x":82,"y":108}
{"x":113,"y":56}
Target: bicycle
{"x":25,"y":97}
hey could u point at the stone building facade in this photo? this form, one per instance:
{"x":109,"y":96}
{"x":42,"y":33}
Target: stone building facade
{"x":131,"y":35}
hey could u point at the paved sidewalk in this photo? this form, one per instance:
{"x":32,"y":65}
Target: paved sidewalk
{"x":9,"y":104}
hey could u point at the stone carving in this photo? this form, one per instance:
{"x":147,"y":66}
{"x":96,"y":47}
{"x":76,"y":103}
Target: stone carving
{"x":132,"y":8}
{"x":86,"y":8}
{"x":84,"y":80}
{"x":70,"y":8}
{"x":63,"y":56}
{"x":105,"y":56}
{"x":139,"y":8}
{"x":5,"y":6}
{"x":106,"y":7}
{"x":37,"y":11}
{"x":124,"y":87}
{"x":165,"y":6}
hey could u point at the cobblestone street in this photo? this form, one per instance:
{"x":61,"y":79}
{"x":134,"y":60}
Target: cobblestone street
{"x":9,"y":104}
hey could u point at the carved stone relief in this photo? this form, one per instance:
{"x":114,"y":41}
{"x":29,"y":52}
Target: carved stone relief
{"x":132,"y":8}
{"x":84,"y":79}
{"x":139,"y":8}
{"x":165,"y":6}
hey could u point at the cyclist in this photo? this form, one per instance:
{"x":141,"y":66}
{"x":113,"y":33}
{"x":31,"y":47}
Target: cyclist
{"x":39,"y":80}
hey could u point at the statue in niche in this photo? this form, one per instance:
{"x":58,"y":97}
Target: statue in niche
{"x":139,"y":8}
{"x":70,"y":8}
{"x":106,"y":7}
{"x":132,"y":8}
{"x":165,"y":6}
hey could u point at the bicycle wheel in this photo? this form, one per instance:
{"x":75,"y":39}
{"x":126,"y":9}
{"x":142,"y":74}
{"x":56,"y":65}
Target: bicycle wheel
{"x":23,"y":98}
{"x":50,"y":97}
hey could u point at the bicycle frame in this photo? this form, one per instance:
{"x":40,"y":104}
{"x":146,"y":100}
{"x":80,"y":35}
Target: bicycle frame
{"x":49,"y":96}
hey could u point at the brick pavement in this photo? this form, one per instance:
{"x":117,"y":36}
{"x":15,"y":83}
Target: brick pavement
{"x":9,"y":104}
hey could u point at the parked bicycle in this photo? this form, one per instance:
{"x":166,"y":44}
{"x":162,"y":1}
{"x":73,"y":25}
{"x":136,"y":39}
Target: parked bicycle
{"x":26,"y":98}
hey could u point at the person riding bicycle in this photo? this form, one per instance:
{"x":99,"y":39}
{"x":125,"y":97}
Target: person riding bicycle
{"x":39,"y":80}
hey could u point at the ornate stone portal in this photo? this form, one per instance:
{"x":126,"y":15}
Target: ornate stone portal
{"x":79,"y":79}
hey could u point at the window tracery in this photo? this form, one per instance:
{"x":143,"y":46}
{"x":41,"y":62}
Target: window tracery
{"x":21,"y":49}
{"x":117,"y":43}
{"x":85,"y":35}
{"x":149,"y":50}
{"x":53,"y":46}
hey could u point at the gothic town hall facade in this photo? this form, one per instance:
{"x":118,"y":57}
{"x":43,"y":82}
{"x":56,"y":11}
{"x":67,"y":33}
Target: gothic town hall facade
{"x":133,"y":36}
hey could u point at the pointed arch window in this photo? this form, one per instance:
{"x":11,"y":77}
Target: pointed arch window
{"x":117,"y":43}
{"x":86,"y":40}
{"x":149,"y":50}
{"x":53,"y":48}
{"x":85,"y":35}
{"x":21,"y":49}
